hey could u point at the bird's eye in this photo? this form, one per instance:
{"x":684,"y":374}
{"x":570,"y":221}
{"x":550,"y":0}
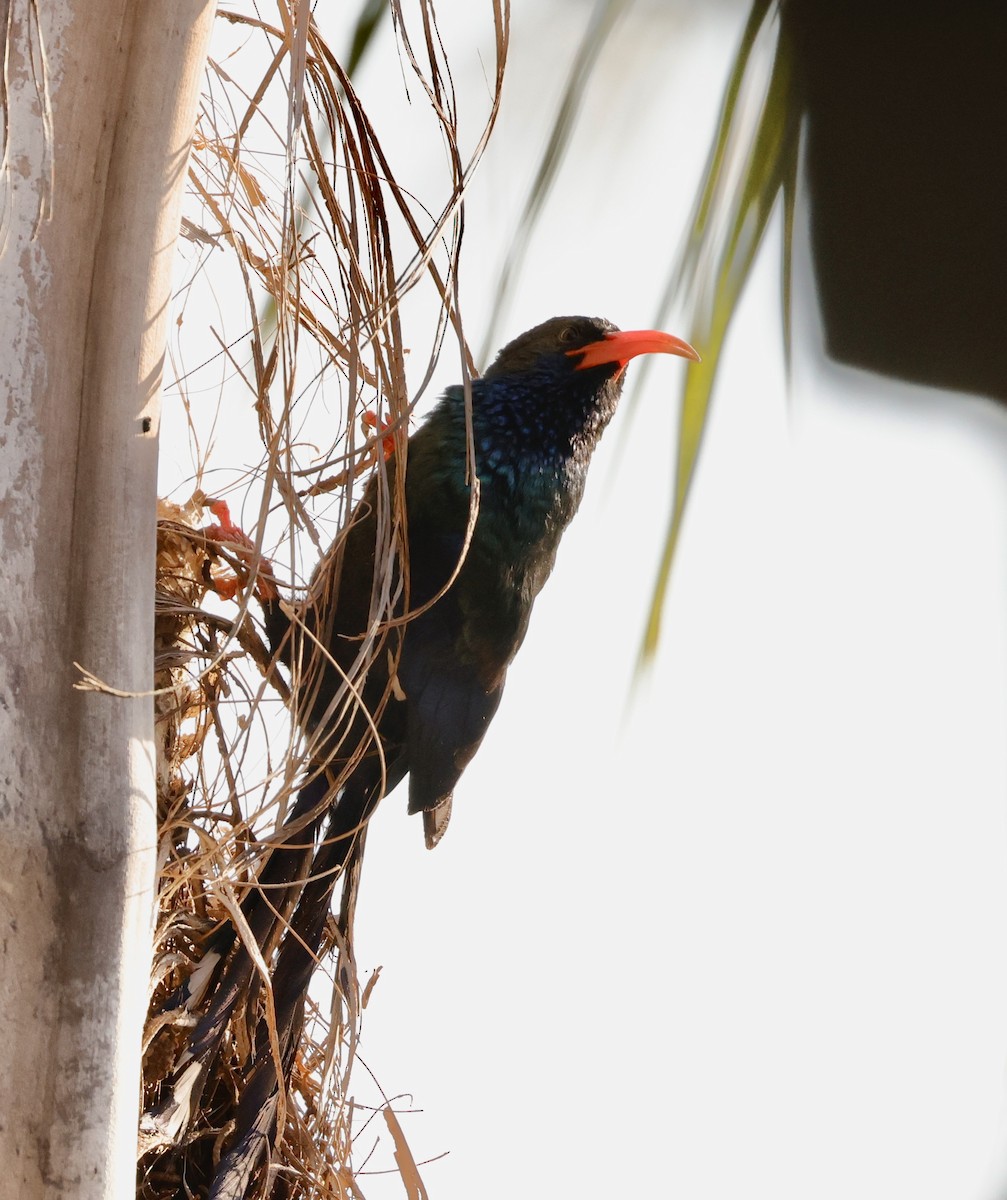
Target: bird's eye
{"x":568,"y":335}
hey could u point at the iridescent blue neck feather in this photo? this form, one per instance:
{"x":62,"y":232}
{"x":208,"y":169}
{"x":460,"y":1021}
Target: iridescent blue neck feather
{"x":542,"y":422}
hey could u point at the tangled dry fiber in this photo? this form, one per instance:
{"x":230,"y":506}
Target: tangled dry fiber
{"x":295,"y":210}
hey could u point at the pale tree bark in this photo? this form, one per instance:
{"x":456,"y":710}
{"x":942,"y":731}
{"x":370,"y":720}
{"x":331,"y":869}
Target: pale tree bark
{"x":100,"y":99}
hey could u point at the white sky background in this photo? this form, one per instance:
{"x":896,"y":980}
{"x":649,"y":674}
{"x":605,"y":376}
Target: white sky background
{"x":741,"y":931}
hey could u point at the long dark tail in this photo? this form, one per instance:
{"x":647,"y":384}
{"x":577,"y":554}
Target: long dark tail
{"x":267,"y":910}
{"x":286,"y":914}
{"x":302,"y":931}
{"x":256,"y":1119}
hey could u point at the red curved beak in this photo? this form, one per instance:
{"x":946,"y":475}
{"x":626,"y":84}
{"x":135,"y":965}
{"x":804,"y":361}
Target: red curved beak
{"x":623,"y":344}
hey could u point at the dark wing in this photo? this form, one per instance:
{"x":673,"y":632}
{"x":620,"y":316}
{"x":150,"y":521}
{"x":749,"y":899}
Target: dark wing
{"x":455,"y":654}
{"x":450,"y":695}
{"x":448,"y":712}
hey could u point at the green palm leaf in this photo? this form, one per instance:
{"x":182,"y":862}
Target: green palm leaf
{"x":743,"y":178}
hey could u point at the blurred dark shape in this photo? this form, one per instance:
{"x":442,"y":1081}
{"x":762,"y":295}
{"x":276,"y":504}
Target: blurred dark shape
{"x":368,"y":20}
{"x":906,"y":163}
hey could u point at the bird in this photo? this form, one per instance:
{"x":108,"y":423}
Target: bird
{"x":399,"y":662}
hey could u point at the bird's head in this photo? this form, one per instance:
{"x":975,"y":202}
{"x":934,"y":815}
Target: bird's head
{"x":551,"y":392}
{"x":563,"y":346}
